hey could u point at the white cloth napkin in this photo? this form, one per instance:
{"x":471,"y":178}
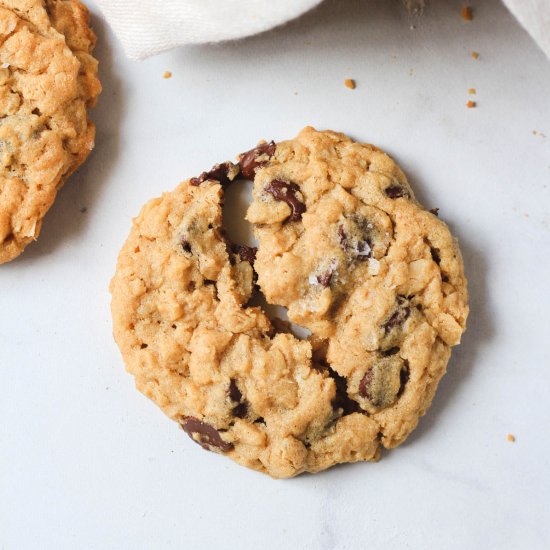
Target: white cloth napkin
{"x":148,"y":27}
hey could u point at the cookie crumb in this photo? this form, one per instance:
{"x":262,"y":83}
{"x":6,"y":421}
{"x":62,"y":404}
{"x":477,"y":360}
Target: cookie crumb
{"x":350,"y":83}
{"x":511,"y":438}
{"x":471,"y":104}
{"x":167,"y":74}
{"x":472,"y":91}
{"x":474,"y":55}
{"x":467,"y":13}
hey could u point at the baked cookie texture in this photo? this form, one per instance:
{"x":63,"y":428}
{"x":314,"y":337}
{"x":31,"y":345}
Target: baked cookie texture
{"x":346,"y":248}
{"x":48,"y":80}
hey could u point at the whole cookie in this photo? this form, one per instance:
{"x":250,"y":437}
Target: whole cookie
{"x":347,"y":249}
{"x":48,"y":79}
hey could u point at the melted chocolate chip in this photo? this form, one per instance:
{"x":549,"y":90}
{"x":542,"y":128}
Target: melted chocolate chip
{"x":396,"y":191}
{"x":325,"y":278}
{"x":186,"y":245}
{"x":246,"y":253}
{"x":398,"y":317}
{"x":343,"y":238}
{"x":204,"y":434}
{"x":435,"y":211}
{"x":234,"y":392}
{"x":240,"y":411}
{"x":286,"y":191}
{"x":403,"y":378}
{"x":391,"y":351}
{"x":219,"y":172}
{"x":364,"y":385}
{"x":249,"y":162}
{"x":444,"y":278}
{"x":435,"y":255}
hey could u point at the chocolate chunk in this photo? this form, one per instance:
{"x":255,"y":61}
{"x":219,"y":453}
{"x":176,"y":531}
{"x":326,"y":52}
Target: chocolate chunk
{"x":286,"y":191}
{"x":399,"y":316}
{"x":205,"y":435}
{"x":391,"y":351}
{"x":435,"y":255}
{"x":234,"y":392}
{"x":186,"y":245}
{"x":325,"y":278}
{"x":249,"y":162}
{"x":396,"y":191}
{"x":246,"y":253}
{"x":219,"y":172}
{"x":435,"y":211}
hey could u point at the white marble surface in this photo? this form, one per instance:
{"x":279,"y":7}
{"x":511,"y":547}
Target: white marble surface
{"x":87,"y":462}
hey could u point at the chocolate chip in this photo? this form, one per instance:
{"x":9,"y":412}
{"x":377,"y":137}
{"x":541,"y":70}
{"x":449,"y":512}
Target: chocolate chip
{"x":143,"y":346}
{"x":343,"y":238}
{"x":361,"y":251}
{"x":364,"y":250}
{"x":325,"y":278}
{"x":435,"y":255}
{"x":286,"y":191}
{"x":219,"y":172}
{"x":391,"y":351}
{"x":364,"y":385}
{"x":234,"y":392}
{"x":396,"y":191}
{"x":249,"y":162}
{"x":399,"y":316}
{"x":205,"y":435}
{"x":246,"y":253}
{"x":186,"y":245}
{"x":444,"y":278}
{"x":403,"y":378}
{"x":435,"y":211}
{"x":240,"y":411}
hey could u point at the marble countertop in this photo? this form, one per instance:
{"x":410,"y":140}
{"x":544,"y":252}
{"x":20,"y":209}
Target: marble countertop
{"x":87,"y":462}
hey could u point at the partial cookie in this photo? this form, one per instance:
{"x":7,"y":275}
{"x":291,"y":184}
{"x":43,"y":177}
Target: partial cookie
{"x":347,"y":249}
{"x":48,"y":80}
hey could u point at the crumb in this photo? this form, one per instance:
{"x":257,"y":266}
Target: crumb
{"x":511,"y":438}
{"x":467,"y":13}
{"x":350,"y":83}
{"x":167,"y":74}
{"x":472,"y":91}
{"x":295,"y":93}
{"x":471,"y":104}
{"x":474,"y":55}
{"x":83,"y":209}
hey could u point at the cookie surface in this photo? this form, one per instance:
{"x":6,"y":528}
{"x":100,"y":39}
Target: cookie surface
{"x":347,"y":249}
{"x":48,"y":79}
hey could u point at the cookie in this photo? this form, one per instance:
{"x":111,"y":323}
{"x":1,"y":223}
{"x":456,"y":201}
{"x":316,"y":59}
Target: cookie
{"x":346,"y":248}
{"x":48,"y":80}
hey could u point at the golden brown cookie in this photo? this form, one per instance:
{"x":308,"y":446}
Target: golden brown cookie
{"x":48,"y":80}
{"x":347,"y":249}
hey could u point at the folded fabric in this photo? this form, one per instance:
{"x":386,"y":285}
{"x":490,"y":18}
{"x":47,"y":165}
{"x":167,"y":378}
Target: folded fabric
{"x":149,"y":27}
